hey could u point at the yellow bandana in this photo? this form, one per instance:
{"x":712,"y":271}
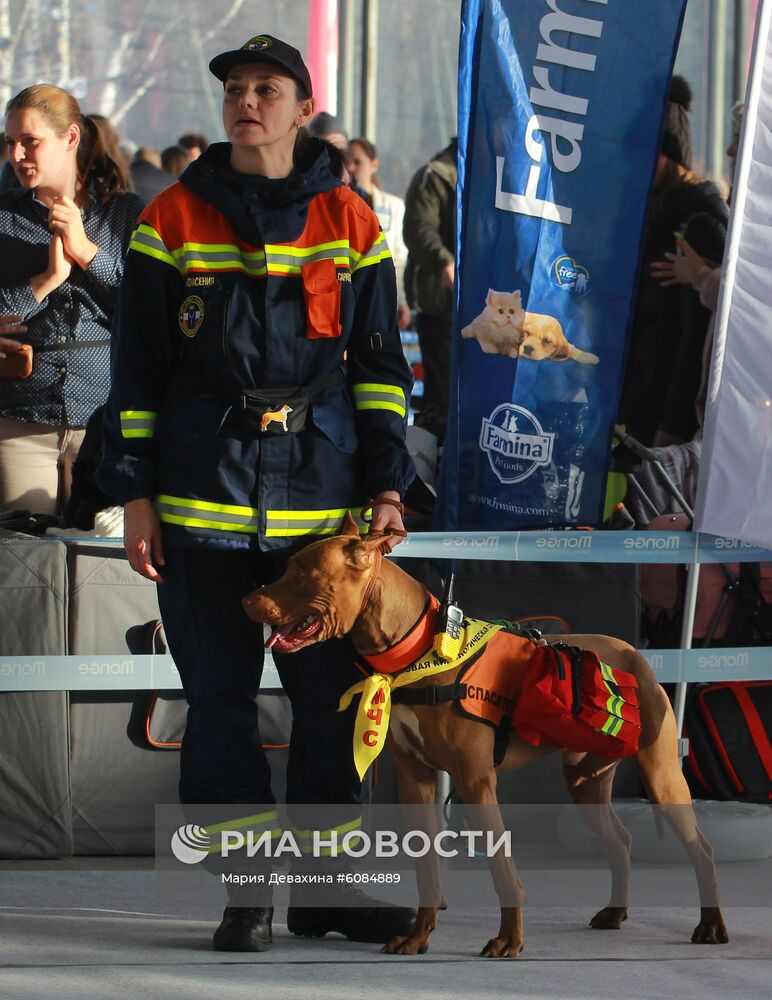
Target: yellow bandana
{"x":372,"y":721}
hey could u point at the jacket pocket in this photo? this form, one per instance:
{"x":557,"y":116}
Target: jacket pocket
{"x":321,"y":290}
{"x":337,"y":423}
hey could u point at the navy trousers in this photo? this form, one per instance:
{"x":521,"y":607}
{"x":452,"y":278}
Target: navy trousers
{"x":219,"y":654}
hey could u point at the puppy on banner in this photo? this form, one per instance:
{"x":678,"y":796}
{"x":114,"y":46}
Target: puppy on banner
{"x":561,"y":107}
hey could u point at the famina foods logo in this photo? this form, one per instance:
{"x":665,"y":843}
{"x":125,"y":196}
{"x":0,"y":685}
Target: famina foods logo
{"x":515,"y":443}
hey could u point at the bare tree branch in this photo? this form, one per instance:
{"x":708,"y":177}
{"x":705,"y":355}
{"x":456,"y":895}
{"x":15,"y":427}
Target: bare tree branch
{"x":235,"y":8}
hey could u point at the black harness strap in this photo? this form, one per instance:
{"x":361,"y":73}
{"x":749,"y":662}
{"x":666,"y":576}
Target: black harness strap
{"x":575,"y":658}
{"x":434,"y":694}
{"x":501,"y":739}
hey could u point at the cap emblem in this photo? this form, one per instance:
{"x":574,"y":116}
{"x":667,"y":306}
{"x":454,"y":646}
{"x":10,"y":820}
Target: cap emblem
{"x":257,"y":43}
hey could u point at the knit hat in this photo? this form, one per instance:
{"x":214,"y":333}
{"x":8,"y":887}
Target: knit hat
{"x":677,"y":136}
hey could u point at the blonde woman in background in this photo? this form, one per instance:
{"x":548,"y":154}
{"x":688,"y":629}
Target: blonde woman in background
{"x":64,"y":234}
{"x":363,"y":162}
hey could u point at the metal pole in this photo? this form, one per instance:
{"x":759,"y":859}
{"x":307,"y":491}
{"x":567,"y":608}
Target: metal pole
{"x":742,"y":34}
{"x":687,"y":630}
{"x":716,"y":110}
{"x":347,"y":46}
{"x":369,"y":68}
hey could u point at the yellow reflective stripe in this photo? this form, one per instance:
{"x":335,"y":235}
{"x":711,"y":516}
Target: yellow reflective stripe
{"x":395,"y":407}
{"x":378,"y":251}
{"x":304,"y":838}
{"x":376,"y":396}
{"x":199,"y":522}
{"x":239,"y":824}
{"x":615,"y":701}
{"x":147,"y":241}
{"x":137,"y":423}
{"x":219,"y":257}
{"x":233,"y":517}
{"x":189,"y":513}
{"x":275,"y":259}
{"x":219,"y":508}
{"x":394,"y":390}
{"x":612,"y":726}
{"x":296,"y":523}
{"x":215,"y":248}
{"x":260,"y":824}
{"x":319,"y":251}
{"x":301,"y":515}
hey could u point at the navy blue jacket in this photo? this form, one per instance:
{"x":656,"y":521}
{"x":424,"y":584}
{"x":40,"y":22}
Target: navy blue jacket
{"x":235,"y":282}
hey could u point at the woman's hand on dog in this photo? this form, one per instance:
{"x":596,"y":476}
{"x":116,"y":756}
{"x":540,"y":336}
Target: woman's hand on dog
{"x":142,"y":539}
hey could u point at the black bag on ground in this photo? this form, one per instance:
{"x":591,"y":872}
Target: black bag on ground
{"x":729,"y":726}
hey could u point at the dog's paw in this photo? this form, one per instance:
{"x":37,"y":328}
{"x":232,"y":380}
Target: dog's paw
{"x":610,"y":918}
{"x":711,"y":929}
{"x":412,"y":945}
{"x":499,"y":947}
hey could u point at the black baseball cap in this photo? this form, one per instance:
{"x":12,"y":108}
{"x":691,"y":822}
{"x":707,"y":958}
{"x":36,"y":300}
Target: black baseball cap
{"x":264,"y":49}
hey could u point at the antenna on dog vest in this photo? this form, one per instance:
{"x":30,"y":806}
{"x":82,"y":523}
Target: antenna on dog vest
{"x":449,"y":637}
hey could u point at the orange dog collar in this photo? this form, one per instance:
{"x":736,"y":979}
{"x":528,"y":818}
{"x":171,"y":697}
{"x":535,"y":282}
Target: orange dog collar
{"x":409,"y":649}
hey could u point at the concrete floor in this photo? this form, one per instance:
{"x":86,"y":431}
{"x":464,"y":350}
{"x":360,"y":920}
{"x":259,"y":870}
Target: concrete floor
{"x":91,"y":928}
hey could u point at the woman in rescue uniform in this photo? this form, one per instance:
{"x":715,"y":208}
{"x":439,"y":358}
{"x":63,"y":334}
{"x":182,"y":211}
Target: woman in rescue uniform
{"x":259,"y":392}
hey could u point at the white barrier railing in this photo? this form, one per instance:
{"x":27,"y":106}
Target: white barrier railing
{"x":126,"y":672}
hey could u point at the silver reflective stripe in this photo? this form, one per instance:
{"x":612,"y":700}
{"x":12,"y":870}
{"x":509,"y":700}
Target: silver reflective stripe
{"x":288,"y":258}
{"x":146,"y":240}
{"x":374,"y":396}
{"x":204,"y":514}
{"x":378,"y":251}
{"x":137,"y":423}
{"x":188,"y":257}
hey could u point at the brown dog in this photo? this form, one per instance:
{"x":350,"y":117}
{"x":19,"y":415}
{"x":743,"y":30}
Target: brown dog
{"x":342,"y":586}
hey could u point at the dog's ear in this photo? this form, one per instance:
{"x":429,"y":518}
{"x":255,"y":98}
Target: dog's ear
{"x":349,"y":526}
{"x":383,"y":541}
{"x":517,"y":296}
{"x":562,"y":352}
{"x":358,"y":555}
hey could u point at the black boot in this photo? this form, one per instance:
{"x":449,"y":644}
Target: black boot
{"x":358,"y":917}
{"x":244,"y":928}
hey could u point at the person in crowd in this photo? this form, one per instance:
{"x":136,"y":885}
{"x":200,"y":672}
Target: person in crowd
{"x":363,"y":163}
{"x":328,"y":127}
{"x":669,"y":328}
{"x":110,"y":137}
{"x":252,"y":404}
{"x":147,"y":174}
{"x":687,"y":267}
{"x":195,"y":143}
{"x":174,"y":159}
{"x":7,"y":176}
{"x":64,"y":234}
{"x":430,"y":237}
{"x":128,"y":149}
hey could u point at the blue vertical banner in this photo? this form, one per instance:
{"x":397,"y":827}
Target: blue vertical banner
{"x":561,"y":108}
